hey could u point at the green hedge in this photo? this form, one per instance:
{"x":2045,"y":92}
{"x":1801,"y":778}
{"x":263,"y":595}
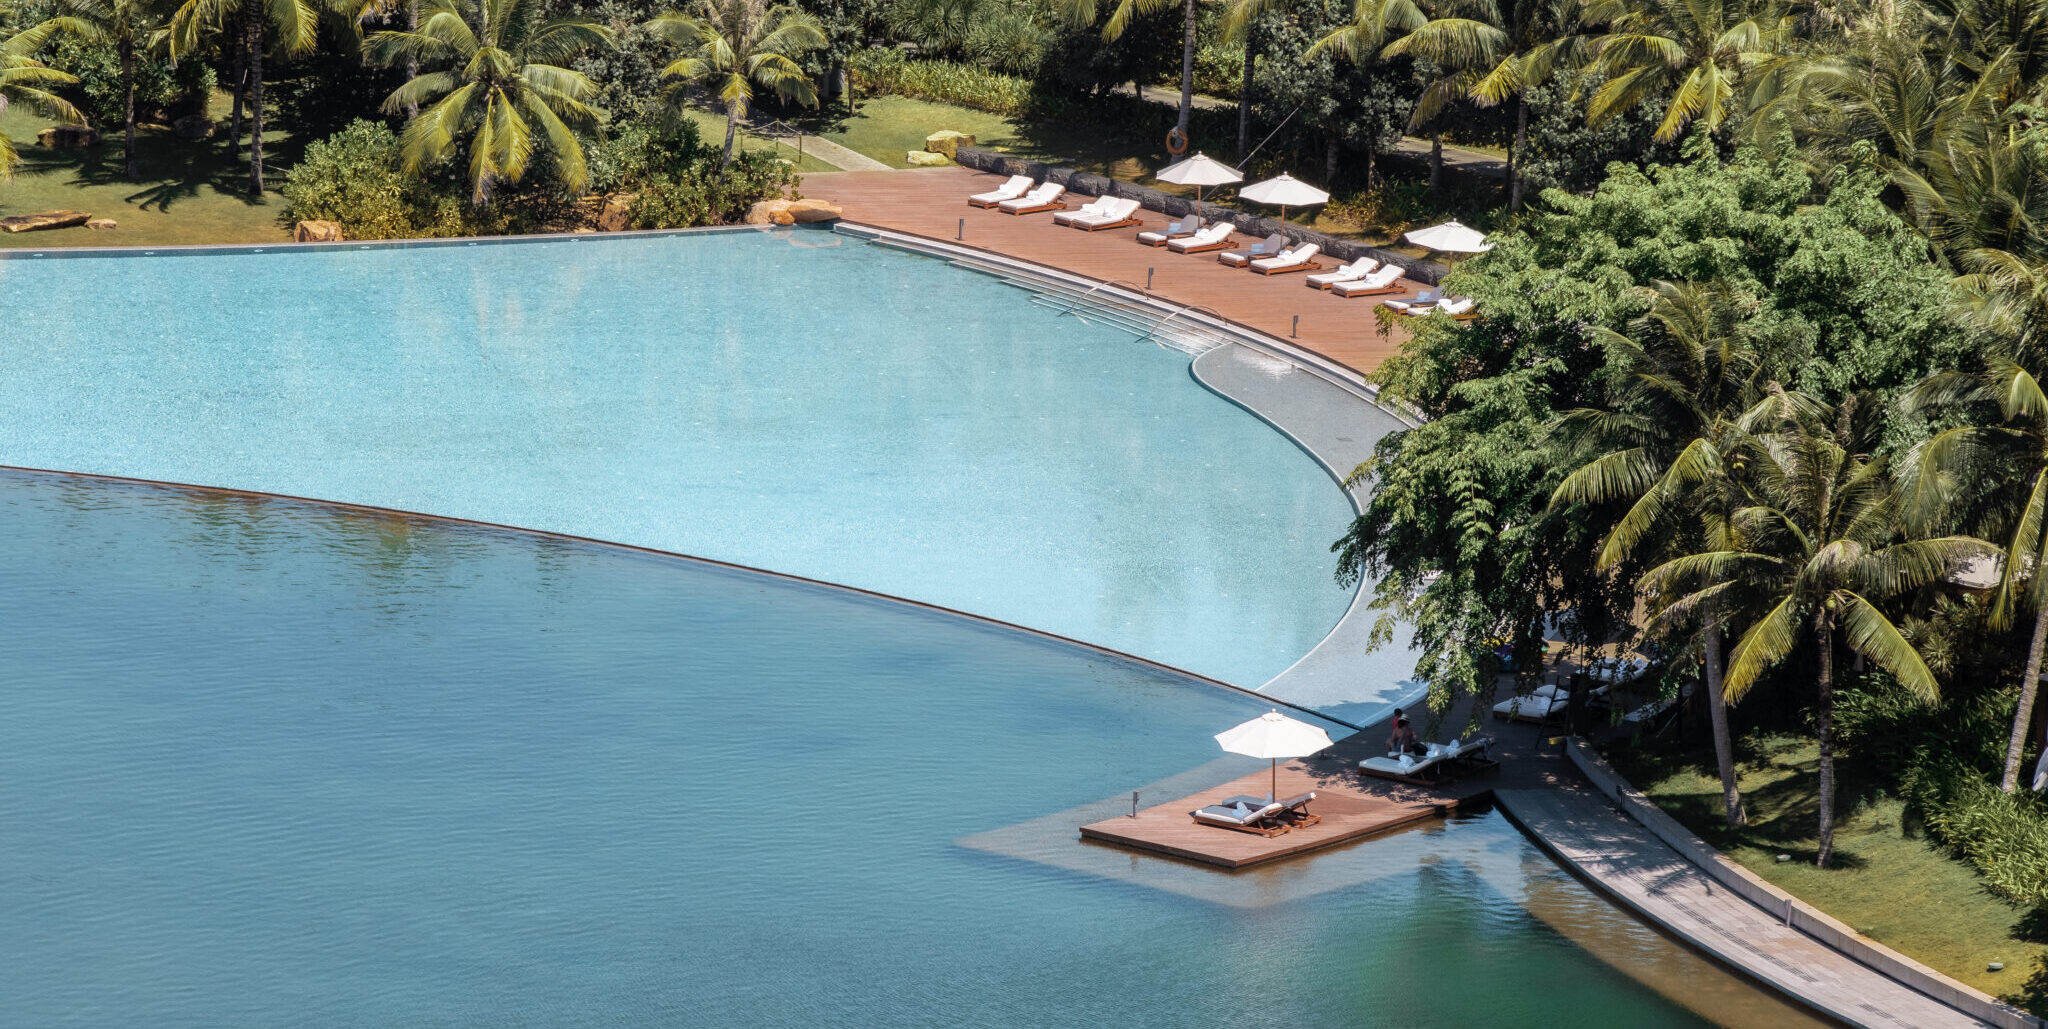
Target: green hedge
{"x":2005,"y":835}
{"x":887,"y":70}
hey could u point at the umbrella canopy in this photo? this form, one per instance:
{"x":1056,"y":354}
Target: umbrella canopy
{"x":1284,"y":191}
{"x":1198,"y":171}
{"x":1451,"y":238}
{"x":1273,"y":736}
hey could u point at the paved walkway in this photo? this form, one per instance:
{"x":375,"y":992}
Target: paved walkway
{"x":1578,"y":825}
{"x":832,"y":153}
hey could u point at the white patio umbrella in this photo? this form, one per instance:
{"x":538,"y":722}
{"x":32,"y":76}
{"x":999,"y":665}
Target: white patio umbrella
{"x":1199,"y":171}
{"x":1273,"y":736}
{"x":1451,"y":238}
{"x":1284,"y":192}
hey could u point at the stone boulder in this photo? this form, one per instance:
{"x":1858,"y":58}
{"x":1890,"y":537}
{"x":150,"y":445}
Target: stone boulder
{"x":44,"y":220}
{"x":317,"y":232}
{"x":193,"y":127}
{"x":617,"y":213}
{"x":782,"y":211}
{"x":102,"y":223}
{"x":925,"y":159}
{"x":948,"y":142}
{"x":69,"y":137}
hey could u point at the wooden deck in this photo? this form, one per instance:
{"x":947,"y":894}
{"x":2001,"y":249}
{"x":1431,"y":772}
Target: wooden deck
{"x":932,"y":202}
{"x":1351,"y":806}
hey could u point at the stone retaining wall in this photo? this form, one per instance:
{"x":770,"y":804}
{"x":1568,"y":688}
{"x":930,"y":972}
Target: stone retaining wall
{"x":1796,"y":913}
{"x":1255,"y":226}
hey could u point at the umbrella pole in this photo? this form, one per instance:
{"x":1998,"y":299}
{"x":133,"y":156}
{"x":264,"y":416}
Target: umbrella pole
{"x":1273,"y":790}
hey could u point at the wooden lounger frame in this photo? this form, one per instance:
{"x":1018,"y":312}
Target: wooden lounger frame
{"x":1257,"y":830}
{"x":1168,"y":239}
{"x":1221,"y":244}
{"x":1391,"y":287}
{"x":987,"y":204}
{"x":1057,"y":205}
{"x":1126,"y":223}
{"x":1331,"y":287}
{"x":1305,"y":266}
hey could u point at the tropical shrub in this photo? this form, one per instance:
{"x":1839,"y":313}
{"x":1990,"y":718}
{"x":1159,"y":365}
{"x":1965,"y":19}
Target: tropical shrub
{"x":890,"y":71}
{"x":2005,"y":835}
{"x":700,"y":196}
{"x":159,"y":88}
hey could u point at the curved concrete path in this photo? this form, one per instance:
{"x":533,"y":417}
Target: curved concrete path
{"x":1339,"y":427}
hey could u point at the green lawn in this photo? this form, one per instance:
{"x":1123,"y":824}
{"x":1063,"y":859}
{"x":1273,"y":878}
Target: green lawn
{"x":1892,"y":883}
{"x":189,"y":193}
{"x":712,"y":127}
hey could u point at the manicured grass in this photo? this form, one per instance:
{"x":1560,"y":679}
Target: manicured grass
{"x":189,"y":193}
{"x":886,"y":127}
{"x":712,"y":127}
{"x":1891,"y":883}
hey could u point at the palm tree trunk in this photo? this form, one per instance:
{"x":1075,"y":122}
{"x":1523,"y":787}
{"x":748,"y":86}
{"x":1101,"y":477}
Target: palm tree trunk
{"x":256,"y":109}
{"x":1516,"y":156}
{"x":732,"y":121}
{"x":1824,"y":716}
{"x":127,"y":49}
{"x":1187,"y":71}
{"x":1330,"y":161}
{"x":412,"y":63}
{"x":1436,"y":161}
{"x":241,"y":90}
{"x":1717,"y":715}
{"x":2023,"y":714}
{"x":1244,"y":100}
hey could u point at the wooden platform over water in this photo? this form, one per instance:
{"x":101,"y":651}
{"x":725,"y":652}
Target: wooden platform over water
{"x":1352,"y":807}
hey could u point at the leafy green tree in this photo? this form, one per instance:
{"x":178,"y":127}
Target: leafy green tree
{"x":1459,"y":533}
{"x":131,"y":27}
{"x":24,"y":80}
{"x":1685,"y":388}
{"x":501,"y":83}
{"x":730,"y":46}
{"x":251,"y":24}
{"x":1811,"y":554}
{"x":1692,"y":53}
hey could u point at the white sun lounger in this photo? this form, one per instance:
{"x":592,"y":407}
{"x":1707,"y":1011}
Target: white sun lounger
{"x":1174,"y":230}
{"x":1211,"y":237}
{"x":1355,"y":270}
{"x":1105,"y":213}
{"x":1045,"y":198}
{"x":1300,"y":258}
{"x":1542,"y":704}
{"x":1239,"y":813}
{"x":1409,"y":768}
{"x":1272,"y":244}
{"x":1017,"y":186}
{"x":1386,"y":280}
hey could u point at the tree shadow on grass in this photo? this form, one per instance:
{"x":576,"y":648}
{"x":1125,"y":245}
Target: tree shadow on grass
{"x":170,"y":170}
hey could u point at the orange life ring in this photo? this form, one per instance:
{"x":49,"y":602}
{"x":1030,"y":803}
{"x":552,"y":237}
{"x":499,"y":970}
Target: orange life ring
{"x":1176,"y":141}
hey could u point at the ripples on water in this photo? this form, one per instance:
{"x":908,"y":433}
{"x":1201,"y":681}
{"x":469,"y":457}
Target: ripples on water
{"x":270,"y":764}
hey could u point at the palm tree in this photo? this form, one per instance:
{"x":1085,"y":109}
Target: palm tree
{"x":296,"y":25}
{"x":498,"y":81}
{"x":1690,"y":53}
{"x":1689,"y":390}
{"x":25,"y":81}
{"x":1810,"y":555}
{"x":132,"y":26}
{"x":1459,"y":39}
{"x":1081,"y":13}
{"x":730,"y":46}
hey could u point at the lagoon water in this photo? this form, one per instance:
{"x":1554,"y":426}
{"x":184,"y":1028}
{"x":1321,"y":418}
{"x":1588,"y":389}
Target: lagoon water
{"x":269,"y":763}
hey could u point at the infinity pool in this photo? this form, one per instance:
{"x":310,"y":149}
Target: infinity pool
{"x":801,"y":402}
{"x":269,"y":764}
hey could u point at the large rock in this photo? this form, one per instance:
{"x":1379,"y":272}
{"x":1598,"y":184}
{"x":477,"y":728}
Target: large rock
{"x":763,"y":211}
{"x":44,"y":220}
{"x":948,"y":142}
{"x":69,"y":137}
{"x":193,"y":128}
{"x":617,"y":213}
{"x":103,"y":223}
{"x":813,"y":210}
{"x":317,"y":232}
{"x":925,"y":159}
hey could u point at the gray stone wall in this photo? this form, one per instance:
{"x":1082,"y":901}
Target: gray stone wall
{"x":1252,"y":225}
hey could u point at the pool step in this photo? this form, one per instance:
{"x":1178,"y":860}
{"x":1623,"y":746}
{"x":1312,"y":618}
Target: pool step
{"x":1140,"y":319}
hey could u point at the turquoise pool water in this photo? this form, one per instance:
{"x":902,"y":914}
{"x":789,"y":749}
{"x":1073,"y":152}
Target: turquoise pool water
{"x":265,"y":764}
{"x":801,"y":402}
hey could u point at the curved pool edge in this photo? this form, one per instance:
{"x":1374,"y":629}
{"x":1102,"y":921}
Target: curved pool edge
{"x":671,"y":555}
{"x":1298,"y":393}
